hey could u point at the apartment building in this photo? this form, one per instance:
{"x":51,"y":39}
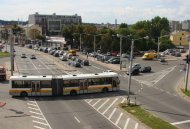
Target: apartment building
{"x":53,"y":23}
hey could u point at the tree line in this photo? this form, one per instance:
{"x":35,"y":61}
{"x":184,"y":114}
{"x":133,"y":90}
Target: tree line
{"x":106,"y":39}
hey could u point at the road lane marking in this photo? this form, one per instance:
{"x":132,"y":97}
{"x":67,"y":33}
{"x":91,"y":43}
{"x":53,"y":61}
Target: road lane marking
{"x":110,"y":105}
{"x":40,"y":122}
{"x":32,"y":104}
{"x":112,"y":113}
{"x":96,"y":102}
{"x":77,"y":119}
{"x":90,"y":101}
{"x":39,"y":127}
{"x":180,"y":122}
{"x":103,"y":104}
{"x":136,"y":125}
{"x":96,"y":67}
{"x":123,"y":100}
{"x":33,"y":108}
{"x":118,"y":119}
{"x":38,"y":117}
{"x":35,"y":113}
{"x":126,"y":123}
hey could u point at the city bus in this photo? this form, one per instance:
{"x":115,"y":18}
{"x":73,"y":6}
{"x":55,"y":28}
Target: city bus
{"x":63,"y":84}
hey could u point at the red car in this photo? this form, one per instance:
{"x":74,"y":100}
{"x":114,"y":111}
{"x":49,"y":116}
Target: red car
{"x":114,"y":53}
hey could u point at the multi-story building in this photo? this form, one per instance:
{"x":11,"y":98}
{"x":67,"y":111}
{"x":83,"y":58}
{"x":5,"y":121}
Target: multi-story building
{"x":180,"y":38}
{"x":185,"y":25}
{"x":53,"y":23}
{"x":174,"y":26}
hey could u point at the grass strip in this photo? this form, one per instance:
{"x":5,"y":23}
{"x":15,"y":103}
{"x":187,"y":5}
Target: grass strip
{"x":186,"y":93}
{"x":146,"y":118}
{"x":4,"y":54}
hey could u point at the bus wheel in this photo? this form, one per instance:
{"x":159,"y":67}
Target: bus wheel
{"x":24,"y":94}
{"x":73,"y":92}
{"x":105,"y":89}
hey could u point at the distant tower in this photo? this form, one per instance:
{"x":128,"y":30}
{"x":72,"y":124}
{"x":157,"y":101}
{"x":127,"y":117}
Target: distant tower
{"x":115,"y":23}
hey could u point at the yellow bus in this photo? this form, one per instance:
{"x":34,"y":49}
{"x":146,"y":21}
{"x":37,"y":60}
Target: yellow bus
{"x":63,"y":84}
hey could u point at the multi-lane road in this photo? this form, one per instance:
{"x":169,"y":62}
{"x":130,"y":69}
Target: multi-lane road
{"x":155,"y":91}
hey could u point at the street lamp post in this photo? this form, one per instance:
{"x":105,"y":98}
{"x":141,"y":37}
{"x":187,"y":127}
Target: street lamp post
{"x":130,"y":68}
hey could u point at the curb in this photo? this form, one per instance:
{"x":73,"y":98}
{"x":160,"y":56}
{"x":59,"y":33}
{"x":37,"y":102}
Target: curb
{"x":179,"y":87}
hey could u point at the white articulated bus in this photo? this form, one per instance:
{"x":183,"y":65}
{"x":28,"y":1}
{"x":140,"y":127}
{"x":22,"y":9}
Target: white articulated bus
{"x":64,"y":84}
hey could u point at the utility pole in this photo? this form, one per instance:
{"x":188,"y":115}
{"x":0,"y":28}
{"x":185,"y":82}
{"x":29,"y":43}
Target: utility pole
{"x":187,"y":70}
{"x":130,"y":69}
{"x":120,"y":51}
{"x":158,"y":47}
{"x":11,"y":50}
{"x":80,"y":41}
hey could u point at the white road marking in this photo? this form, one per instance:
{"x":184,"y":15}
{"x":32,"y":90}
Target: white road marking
{"x":33,"y":108}
{"x":180,"y":122}
{"x":40,"y":122}
{"x":112,"y":113}
{"x":35,"y":113}
{"x":110,"y":105}
{"x":32,"y":104}
{"x":123,"y":100}
{"x":126,"y":123}
{"x":38,"y":117}
{"x":136,"y":125}
{"x":103,"y":104}
{"x":118,"y":119}
{"x":39,"y":127}
{"x":77,"y":119}
{"x":90,"y":101}
{"x":96,"y":102}
{"x":96,"y":67}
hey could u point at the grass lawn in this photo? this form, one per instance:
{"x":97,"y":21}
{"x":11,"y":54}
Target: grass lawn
{"x":146,"y":118}
{"x":4,"y":54}
{"x":186,"y":93}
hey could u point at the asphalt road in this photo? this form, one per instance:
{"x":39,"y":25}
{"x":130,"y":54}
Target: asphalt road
{"x":155,"y":91}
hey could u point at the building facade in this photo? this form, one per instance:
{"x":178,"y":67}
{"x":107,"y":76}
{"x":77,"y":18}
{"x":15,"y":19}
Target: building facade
{"x":53,"y":23}
{"x":185,"y":25}
{"x":180,"y":38}
{"x":175,"y":26}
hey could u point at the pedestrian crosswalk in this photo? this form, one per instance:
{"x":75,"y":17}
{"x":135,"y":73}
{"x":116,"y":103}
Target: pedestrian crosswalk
{"x":108,"y":107}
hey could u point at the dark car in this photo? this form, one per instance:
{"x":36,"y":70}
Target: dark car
{"x":76,"y":64}
{"x":145,"y":69}
{"x":23,"y":55}
{"x":78,"y":60}
{"x":32,"y":57}
{"x":114,"y":60}
{"x":134,"y":71}
{"x":85,"y":62}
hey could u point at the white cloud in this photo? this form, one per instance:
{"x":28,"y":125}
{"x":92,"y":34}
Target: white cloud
{"x":98,"y":10}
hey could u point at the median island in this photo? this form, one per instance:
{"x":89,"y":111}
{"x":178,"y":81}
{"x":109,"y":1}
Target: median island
{"x":187,"y":93}
{"x":145,"y":117}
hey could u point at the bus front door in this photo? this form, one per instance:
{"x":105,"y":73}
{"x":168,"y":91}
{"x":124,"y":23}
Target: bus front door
{"x":83,"y":87}
{"x":35,"y":86}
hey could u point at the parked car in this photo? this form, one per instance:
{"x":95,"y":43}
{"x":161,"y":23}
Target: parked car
{"x":78,"y":60}
{"x":125,"y":55}
{"x":76,"y":64}
{"x":145,"y":69}
{"x":114,"y":53}
{"x":23,"y":55}
{"x":106,"y":58}
{"x":177,"y":54}
{"x":114,"y":60}
{"x":45,"y":50}
{"x":85,"y":62}
{"x":63,"y":58}
{"x":32,"y":57}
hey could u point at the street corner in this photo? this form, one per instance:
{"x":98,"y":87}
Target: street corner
{"x":180,"y":86}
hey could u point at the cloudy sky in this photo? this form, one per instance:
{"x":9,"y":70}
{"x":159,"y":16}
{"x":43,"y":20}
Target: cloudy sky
{"x":98,"y":11}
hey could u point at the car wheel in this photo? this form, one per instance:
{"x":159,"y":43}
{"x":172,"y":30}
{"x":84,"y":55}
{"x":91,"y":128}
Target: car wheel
{"x":73,"y":93}
{"x":105,"y":89}
{"x":23,"y":94}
